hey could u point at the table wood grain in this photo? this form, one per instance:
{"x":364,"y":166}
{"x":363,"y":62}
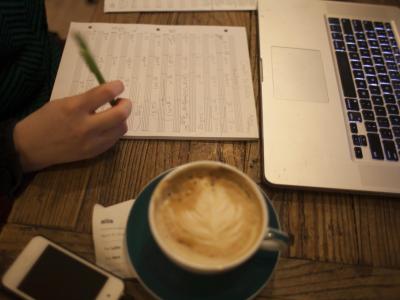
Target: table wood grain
{"x":345,"y":246}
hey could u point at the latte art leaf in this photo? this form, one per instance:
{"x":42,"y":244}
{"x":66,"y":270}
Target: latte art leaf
{"x":214,"y":219}
{"x":208,"y":218}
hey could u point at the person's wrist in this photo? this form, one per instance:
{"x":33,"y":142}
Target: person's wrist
{"x":24,"y":149}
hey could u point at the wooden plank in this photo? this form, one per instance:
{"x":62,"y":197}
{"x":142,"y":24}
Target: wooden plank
{"x":60,"y":13}
{"x":302,"y":279}
{"x":341,"y":227}
{"x":293,"y":279}
{"x":54,"y":197}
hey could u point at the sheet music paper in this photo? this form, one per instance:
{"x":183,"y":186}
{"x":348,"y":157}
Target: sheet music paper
{"x":108,"y":227}
{"x":186,"y":82}
{"x":178,"y":5}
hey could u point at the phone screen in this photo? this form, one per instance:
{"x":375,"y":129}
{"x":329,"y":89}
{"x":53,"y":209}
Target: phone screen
{"x":56,"y":275}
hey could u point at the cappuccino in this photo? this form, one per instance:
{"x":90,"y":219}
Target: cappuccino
{"x":208,"y":216}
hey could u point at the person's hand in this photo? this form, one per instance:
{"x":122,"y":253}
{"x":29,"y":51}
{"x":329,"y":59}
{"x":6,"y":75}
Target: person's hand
{"x":68,"y":129}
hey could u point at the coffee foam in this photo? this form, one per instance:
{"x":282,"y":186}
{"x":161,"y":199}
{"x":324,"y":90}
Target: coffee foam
{"x":208,"y":217}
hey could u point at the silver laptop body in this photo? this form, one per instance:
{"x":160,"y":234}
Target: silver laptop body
{"x":307,"y":139}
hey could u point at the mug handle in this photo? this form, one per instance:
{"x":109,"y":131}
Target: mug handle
{"x":274,"y":240}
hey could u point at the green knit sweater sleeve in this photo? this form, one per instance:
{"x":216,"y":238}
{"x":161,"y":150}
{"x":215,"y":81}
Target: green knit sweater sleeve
{"x":29,"y":58}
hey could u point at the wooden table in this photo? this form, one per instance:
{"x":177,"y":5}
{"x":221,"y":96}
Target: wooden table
{"x":345,"y":246}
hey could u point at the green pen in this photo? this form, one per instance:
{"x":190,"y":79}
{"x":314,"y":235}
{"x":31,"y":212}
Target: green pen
{"x":90,"y":62}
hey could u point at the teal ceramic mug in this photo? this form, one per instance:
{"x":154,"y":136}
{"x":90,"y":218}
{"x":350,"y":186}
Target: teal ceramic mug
{"x":208,"y":217}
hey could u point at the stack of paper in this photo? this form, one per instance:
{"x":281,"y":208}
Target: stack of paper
{"x":178,"y":5}
{"x":185,"y":82}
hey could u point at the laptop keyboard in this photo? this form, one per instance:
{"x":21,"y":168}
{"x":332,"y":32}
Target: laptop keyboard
{"x":368,"y":60}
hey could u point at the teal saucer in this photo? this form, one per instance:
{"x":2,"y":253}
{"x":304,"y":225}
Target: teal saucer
{"x":165,"y":280}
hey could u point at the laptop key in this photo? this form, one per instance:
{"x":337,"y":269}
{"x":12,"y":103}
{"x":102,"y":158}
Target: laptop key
{"x":391,"y":66}
{"x":365,"y":53}
{"x":376,"y":52}
{"x":389,"y":57}
{"x":394,"y":120}
{"x":363,"y":93}
{"x":358,"y":74}
{"x":351,"y":47}
{"x":372,"y":80}
{"x":345,"y":75}
{"x":390,"y":150}
{"x":396,"y":131}
{"x":375,"y":146}
{"x":362,"y":44}
{"x":362,"y":140}
{"x":337,"y":36}
{"x":381,"y":32}
{"x":394,"y":75}
{"x":367,"y":61}
{"x":386,"y":49}
{"x":371,"y":127}
{"x":368,"y":115}
{"x":333,"y":21}
{"x":356,"y":65}
{"x":354,"y":56}
{"x":339,"y":45}
{"x":335,"y":28}
{"x":365,"y":104}
{"x":389,"y":99}
{"x":360,"y":36}
{"x":358,"y":152}
{"x":380,"y":111}
{"x":357,"y":25}
{"x":398,"y":143}
{"x":350,"y":39}
{"x":397,"y":93}
{"x":347,"y":26}
{"x":373,"y":43}
{"x":374,"y":90}
{"x":379,"y":60}
{"x":377,"y":100}
{"x":356,"y":141}
{"x":383,"y":122}
{"x":361,"y":84}
{"x":353,"y":127}
{"x":392,"y":109}
{"x":354,"y":116}
{"x":371,"y":35}
{"x":383,"y":41}
{"x":386,"y":88}
{"x":368,"y":26}
{"x":352,"y":104}
{"x":383,"y":78}
{"x":369,"y":70}
{"x":379,"y":25}
{"x":386,"y":133}
{"x":381,"y":70}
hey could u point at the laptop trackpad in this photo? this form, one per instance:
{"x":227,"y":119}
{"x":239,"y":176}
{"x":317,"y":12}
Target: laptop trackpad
{"x":298,"y":74}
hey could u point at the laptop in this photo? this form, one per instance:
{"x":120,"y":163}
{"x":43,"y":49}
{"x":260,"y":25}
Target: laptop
{"x":330,"y":86}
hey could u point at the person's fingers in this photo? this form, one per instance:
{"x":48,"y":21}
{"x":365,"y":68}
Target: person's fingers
{"x":98,"y":96}
{"x":111,"y":117}
{"x":115,"y":133}
{"x":107,"y":139}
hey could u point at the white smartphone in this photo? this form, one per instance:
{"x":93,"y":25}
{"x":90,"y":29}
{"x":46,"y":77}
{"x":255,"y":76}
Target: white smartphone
{"x":44,"y":270}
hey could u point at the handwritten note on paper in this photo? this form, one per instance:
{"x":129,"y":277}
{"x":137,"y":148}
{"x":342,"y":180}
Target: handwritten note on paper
{"x":186,"y":82}
{"x":178,"y":5}
{"x":109,"y":225}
